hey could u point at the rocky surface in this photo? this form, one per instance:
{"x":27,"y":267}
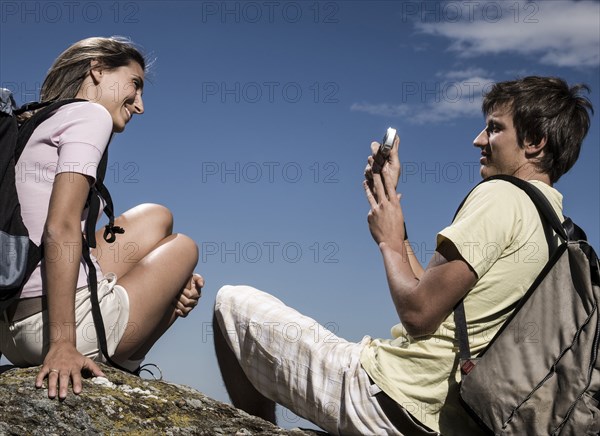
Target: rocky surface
{"x":121,"y":404}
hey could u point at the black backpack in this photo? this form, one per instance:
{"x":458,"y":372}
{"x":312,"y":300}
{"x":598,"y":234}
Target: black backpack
{"x":540,"y":374}
{"x":19,"y":256}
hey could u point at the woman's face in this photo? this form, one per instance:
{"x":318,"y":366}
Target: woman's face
{"x":120,"y":91}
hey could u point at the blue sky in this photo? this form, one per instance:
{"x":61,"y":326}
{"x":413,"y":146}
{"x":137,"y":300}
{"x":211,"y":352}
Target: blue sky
{"x":258,"y":121}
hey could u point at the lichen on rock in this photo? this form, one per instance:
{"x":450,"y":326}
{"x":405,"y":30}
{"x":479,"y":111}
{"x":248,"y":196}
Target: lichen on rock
{"x":122,"y":404}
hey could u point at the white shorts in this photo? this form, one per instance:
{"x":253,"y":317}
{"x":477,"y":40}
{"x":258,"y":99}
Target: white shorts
{"x":294,"y":361}
{"x":26,"y":342}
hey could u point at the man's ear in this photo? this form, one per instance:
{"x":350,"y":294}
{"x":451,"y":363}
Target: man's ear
{"x":96,"y":71}
{"x":534,"y":150}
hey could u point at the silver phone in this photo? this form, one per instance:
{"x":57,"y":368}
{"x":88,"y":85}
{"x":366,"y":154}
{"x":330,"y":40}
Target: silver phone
{"x":387,"y":142}
{"x":384,"y":150}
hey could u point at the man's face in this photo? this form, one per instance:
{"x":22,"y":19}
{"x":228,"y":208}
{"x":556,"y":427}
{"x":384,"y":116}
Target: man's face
{"x":500,"y":151}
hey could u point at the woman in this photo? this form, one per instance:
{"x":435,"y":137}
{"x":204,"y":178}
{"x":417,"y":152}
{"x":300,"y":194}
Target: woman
{"x":145,"y":277}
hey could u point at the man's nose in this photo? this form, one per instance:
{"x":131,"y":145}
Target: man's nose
{"x":481,"y":140}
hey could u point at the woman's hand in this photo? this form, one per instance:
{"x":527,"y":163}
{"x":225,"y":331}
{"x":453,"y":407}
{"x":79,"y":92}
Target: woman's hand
{"x":386,"y":221}
{"x":64,"y":364}
{"x":189,"y":296}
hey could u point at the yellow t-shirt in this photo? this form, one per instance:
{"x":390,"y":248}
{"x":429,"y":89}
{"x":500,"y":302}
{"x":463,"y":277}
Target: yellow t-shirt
{"x":498,"y":232}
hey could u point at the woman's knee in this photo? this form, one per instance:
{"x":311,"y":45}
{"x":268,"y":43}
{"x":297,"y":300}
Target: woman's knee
{"x":187,"y":247}
{"x":153,"y":218}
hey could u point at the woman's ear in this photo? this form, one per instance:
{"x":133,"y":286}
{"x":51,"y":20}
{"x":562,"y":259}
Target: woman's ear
{"x":96,"y":71}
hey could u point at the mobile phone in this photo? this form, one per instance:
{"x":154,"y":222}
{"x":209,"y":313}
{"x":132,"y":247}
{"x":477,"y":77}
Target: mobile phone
{"x":387,"y":142}
{"x":384,"y":149}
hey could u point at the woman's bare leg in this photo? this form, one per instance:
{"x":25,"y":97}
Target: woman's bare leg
{"x":145,"y":226}
{"x":153,"y":266}
{"x":152,"y":285}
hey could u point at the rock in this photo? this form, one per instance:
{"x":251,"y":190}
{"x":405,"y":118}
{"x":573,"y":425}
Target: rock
{"x":122,"y":404}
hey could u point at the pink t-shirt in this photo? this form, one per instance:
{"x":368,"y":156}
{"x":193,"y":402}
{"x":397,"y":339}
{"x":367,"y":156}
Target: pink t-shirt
{"x":72,"y":140}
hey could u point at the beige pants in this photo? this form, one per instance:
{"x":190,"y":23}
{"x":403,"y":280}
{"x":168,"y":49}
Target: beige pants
{"x":298,"y":363}
{"x":26,"y":342}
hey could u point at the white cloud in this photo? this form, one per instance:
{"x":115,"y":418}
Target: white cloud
{"x":381,"y":109}
{"x":559,"y":32}
{"x":462,"y":74}
{"x":451,"y":100}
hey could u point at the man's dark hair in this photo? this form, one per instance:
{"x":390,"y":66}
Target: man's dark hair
{"x":545,"y":107}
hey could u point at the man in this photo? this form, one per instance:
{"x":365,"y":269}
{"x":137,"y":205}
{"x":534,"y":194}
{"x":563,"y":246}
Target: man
{"x":490,"y":255}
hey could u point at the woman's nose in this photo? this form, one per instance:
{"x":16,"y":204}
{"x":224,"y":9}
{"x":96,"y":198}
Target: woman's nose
{"x":138,"y":104}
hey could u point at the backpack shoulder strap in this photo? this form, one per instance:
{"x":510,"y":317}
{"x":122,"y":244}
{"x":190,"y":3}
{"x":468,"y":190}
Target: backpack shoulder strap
{"x":97,"y":192}
{"x":567,"y":231}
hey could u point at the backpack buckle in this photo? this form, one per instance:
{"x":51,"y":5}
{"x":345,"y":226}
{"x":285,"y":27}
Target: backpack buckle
{"x":110,"y":232}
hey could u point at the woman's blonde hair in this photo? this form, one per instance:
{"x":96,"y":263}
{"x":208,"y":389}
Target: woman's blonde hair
{"x":65,"y":77}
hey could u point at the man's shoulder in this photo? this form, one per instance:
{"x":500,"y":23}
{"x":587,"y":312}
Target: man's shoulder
{"x":505,"y":191}
{"x":497,"y":187}
{"x":503,"y":199}
{"x":494,"y":193}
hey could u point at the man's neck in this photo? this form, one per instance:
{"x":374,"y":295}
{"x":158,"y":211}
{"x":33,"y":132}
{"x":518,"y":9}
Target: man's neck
{"x":529,"y":172}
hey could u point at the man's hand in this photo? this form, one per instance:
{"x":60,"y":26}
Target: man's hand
{"x":392,"y":164}
{"x":64,"y":364}
{"x":386,"y":221}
